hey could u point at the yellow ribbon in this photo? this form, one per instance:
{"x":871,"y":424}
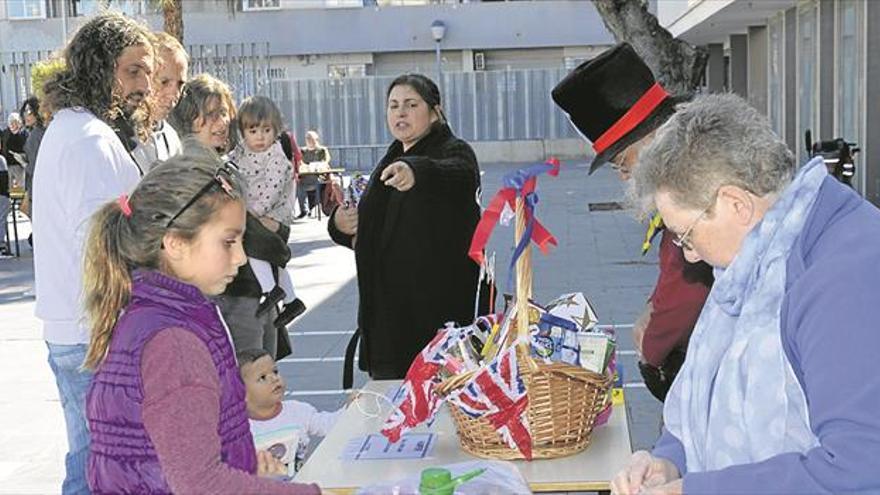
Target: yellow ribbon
{"x":654,"y":227}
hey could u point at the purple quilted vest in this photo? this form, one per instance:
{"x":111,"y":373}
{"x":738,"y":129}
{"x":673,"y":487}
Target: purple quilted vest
{"x":123,"y":458}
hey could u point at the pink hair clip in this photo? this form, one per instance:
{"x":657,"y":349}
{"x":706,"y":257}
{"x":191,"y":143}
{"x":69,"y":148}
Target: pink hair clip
{"x":124,"y":206}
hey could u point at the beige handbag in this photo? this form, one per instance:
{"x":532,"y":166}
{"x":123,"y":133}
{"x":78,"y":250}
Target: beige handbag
{"x":25,"y":206}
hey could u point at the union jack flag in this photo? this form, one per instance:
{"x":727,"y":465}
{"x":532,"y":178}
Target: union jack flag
{"x":420,"y":402}
{"x":498,"y":393}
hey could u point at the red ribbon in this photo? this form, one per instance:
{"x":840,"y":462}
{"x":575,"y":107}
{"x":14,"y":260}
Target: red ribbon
{"x":540,"y":235}
{"x":633,"y":117}
{"x":124,"y":205}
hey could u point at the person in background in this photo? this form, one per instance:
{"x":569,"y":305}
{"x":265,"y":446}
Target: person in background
{"x":167,"y":411}
{"x":33,"y":120}
{"x":779,"y":392}
{"x":82,"y":163}
{"x":12,"y":141}
{"x":202,"y":116}
{"x":599,"y":97}
{"x":410,"y":233}
{"x":204,"y":111}
{"x":315,"y":157}
{"x":172,"y":64}
{"x":260,"y":157}
{"x":5,"y":205}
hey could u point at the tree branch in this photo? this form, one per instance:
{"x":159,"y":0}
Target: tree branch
{"x":677,"y":65}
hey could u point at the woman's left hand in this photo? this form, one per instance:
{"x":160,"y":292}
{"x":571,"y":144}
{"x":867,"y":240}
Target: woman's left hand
{"x":398,"y":175}
{"x":270,"y":224}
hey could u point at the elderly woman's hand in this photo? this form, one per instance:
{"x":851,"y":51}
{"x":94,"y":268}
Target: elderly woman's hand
{"x":643,"y":473}
{"x":398,"y":175}
{"x":346,"y":219}
{"x":671,"y":488}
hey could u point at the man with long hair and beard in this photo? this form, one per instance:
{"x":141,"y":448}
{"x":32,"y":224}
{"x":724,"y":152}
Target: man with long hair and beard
{"x":100,"y":106}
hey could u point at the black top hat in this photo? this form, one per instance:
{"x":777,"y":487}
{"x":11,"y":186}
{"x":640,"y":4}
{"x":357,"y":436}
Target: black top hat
{"x":613,"y":101}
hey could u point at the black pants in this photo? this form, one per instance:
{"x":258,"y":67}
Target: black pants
{"x":658,"y":380}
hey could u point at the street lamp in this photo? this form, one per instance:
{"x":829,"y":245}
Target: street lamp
{"x":438,"y":30}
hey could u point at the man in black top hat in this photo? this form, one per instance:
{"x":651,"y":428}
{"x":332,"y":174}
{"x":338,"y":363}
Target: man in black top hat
{"x":615,"y":103}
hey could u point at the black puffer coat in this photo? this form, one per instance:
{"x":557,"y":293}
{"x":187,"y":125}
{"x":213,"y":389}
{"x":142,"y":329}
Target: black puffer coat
{"x":414,"y":273}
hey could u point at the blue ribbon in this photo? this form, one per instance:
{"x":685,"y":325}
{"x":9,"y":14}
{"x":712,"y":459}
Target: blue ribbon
{"x":517,"y":180}
{"x":530,"y":201}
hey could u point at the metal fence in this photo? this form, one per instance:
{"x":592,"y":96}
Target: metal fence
{"x":15,"y":79}
{"x":349,"y":114}
{"x":244,"y":66}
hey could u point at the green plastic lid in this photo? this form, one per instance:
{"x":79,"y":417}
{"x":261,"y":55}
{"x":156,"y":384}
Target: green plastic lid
{"x":436,"y":481}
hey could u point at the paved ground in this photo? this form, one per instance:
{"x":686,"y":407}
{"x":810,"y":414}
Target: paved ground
{"x":598,"y":254}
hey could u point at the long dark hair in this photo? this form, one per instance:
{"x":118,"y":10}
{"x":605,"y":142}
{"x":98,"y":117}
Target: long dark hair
{"x":197,"y":95}
{"x":120,"y":240}
{"x":32,"y":106}
{"x":88,"y":78}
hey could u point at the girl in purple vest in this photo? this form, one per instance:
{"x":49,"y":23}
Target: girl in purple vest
{"x":166,"y":408}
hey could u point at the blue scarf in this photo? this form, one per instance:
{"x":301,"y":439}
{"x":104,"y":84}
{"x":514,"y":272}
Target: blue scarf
{"x":736,"y":399}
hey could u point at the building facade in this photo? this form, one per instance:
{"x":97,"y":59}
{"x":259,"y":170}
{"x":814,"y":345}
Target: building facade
{"x":320,"y":39}
{"x":806,"y":64}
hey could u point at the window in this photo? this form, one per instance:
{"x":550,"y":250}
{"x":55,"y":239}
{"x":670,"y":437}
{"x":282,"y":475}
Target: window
{"x":776,"y":74}
{"x":250,"y":5}
{"x":808,"y":74}
{"x":85,"y":7}
{"x":570,"y":63}
{"x":26,"y":9}
{"x":340,"y":71}
{"x":849,"y":74}
{"x":276,"y":73}
{"x":332,"y":4}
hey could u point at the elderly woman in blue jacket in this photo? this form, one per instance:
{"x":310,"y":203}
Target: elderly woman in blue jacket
{"x":779,"y":392}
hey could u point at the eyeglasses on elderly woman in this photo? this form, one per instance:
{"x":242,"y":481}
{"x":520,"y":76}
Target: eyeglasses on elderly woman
{"x":683,"y":240}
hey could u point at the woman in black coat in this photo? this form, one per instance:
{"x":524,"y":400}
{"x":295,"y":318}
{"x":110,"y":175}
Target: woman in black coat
{"x":411,"y":233}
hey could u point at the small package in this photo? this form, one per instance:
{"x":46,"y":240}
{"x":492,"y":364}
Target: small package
{"x":285,"y":444}
{"x":595,"y":351}
{"x":574,"y":307}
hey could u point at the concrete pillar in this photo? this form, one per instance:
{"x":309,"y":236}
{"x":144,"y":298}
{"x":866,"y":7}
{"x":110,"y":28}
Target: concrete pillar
{"x":791,"y":78}
{"x":757,"y":80}
{"x":739,"y":66}
{"x":715,"y":68}
{"x":871,"y":147}
{"x":827,"y":66}
{"x":467,"y":60}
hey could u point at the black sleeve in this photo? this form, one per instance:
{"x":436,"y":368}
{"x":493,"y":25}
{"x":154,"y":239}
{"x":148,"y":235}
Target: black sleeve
{"x":456,"y":173}
{"x":286,"y":145}
{"x":263,"y":244}
{"x":4,"y":187}
{"x":335,"y":234}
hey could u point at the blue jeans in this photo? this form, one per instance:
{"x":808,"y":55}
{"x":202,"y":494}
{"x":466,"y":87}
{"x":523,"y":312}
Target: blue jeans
{"x":73,"y":384}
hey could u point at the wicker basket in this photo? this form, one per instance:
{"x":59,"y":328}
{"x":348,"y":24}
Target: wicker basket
{"x":564,"y":400}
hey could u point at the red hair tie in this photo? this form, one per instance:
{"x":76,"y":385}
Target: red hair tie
{"x":124,"y":206}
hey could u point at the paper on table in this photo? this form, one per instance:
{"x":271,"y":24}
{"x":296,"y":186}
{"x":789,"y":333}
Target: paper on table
{"x":374,"y":446}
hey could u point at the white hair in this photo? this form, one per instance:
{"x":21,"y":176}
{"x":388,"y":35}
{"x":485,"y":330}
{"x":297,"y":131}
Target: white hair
{"x":14,"y":117}
{"x":712,"y":141}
